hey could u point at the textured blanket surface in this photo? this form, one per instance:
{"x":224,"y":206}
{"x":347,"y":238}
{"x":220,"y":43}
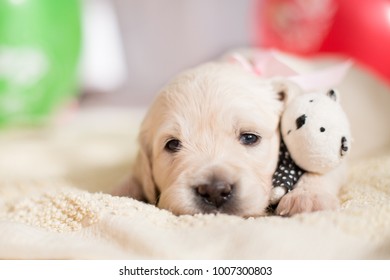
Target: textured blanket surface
{"x":54,"y":204}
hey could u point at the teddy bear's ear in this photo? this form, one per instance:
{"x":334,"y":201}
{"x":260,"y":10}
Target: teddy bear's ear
{"x":333,"y":94}
{"x":286,"y":90}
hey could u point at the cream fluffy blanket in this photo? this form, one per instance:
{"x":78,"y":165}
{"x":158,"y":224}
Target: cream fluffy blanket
{"x":54,"y":205}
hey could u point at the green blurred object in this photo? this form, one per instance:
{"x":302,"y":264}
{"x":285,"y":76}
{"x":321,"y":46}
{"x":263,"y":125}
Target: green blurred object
{"x":40,"y":42}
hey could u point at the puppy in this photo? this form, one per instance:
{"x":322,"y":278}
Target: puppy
{"x":209,"y":143}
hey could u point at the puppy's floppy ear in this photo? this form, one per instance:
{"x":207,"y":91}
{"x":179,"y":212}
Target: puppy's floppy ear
{"x":285,"y":89}
{"x":142,"y":177}
{"x":140,"y":184}
{"x":129,"y":187}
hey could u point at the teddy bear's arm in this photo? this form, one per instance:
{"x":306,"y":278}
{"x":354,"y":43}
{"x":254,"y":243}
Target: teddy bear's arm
{"x":313,"y":192}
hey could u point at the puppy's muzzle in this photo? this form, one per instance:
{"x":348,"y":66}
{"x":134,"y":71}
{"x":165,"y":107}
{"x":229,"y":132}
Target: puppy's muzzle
{"x":216,"y":193}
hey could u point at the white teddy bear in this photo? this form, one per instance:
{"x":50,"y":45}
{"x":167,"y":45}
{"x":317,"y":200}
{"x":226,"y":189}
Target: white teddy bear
{"x":315,"y":140}
{"x":315,"y":132}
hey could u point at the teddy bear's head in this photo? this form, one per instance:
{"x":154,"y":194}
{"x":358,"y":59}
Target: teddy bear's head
{"x":316,"y":131}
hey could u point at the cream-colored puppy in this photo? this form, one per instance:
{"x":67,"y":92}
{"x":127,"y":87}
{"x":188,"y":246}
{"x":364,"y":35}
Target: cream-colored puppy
{"x":209,"y":143}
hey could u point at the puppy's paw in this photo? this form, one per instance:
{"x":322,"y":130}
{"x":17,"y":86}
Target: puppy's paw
{"x":301,"y":200}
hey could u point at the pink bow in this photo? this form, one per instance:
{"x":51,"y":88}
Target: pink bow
{"x":267,"y":65}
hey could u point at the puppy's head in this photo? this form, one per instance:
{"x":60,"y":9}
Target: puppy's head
{"x":210,"y":141}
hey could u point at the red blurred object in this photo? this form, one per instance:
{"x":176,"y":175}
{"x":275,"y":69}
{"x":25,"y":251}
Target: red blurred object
{"x":357,"y":29}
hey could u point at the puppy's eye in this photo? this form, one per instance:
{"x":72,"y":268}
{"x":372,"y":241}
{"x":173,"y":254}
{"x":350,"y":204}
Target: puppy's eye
{"x":173,"y":145}
{"x":249,"y":139}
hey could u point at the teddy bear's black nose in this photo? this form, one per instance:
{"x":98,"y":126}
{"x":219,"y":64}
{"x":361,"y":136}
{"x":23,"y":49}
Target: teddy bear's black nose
{"x":300,"y":121}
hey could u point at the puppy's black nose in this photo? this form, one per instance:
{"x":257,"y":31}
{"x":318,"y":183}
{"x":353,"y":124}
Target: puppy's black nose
{"x":216,"y":193}
{"x":300,"y":121}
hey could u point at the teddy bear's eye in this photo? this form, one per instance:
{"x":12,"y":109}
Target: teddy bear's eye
{"x":311,"y":100}
{"x":322,"y":129}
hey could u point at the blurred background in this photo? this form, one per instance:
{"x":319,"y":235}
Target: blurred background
{"x":120,"y":52}
{"x":145,"y":43}
{"x":61,"y":60}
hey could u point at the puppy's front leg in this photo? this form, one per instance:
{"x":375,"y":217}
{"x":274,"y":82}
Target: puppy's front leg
{"x":313,"y":192}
